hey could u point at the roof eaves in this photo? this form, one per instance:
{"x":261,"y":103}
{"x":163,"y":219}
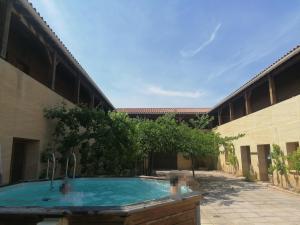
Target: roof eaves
{"x":263,"y":73}
{"x":29,"y":7}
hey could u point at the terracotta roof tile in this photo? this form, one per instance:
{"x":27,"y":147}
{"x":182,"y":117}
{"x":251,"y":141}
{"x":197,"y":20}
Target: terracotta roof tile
{"x":163,"y":110}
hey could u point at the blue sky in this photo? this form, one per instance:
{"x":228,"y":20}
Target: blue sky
{"x":173,"y":53}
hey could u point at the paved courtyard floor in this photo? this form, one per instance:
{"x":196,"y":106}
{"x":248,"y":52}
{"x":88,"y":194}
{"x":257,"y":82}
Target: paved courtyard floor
{"x":231,"y":201}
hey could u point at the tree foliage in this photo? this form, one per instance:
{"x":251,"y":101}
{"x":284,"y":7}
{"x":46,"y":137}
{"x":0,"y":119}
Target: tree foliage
{"x":199,"y":142}
{"x":201,"y":121}
{"x":104,"y":141}
{"x":112,"y":143}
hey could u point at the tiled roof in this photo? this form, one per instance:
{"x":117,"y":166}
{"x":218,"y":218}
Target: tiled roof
{"x":266,"y":71}
{"x":163,"y":110}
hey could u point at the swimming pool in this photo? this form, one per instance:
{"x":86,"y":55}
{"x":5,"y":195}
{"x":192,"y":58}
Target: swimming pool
{"x":86,"y":192}
{"x":99,"y":200}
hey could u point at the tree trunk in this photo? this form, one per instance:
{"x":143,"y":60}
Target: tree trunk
{"x":148,"y":164}
{"x":152,"y":161}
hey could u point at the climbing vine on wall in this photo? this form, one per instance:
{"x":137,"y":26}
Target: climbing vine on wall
{"x":231,"y":156}
{"x":278,"y":160}
{"x":294,"y":161}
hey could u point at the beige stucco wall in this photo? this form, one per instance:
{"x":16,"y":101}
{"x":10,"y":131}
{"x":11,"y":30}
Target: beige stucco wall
{"x":183,"y":163}
{"x":22,"y":101}
{"x":277,"y":124}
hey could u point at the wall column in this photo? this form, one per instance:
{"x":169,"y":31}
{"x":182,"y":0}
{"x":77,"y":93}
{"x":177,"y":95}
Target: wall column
{"x":6,"y":5}
{"x":53,"y":70}
{"x":247,"y":102}
{"x":272,"y":90}
{"x":230,"y":111}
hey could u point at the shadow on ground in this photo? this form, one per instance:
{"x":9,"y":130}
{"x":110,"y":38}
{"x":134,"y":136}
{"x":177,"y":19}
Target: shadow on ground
{"x":222,"y":189}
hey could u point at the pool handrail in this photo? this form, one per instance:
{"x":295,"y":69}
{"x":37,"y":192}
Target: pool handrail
{"x":47,"y":171}
{"x":48,"y":165}
{"x":53,"y":168}
{"x":74,"y":166}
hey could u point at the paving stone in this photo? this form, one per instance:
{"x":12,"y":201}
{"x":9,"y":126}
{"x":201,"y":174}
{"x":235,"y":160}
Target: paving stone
{"x":229,"y":200}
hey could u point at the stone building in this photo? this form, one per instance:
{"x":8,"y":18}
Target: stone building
{"x":36,"y":71}
{"x":181,"y":114}
{"x":267,"y":110}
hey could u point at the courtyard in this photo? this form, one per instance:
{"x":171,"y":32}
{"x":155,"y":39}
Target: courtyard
{"x":229,"y":200}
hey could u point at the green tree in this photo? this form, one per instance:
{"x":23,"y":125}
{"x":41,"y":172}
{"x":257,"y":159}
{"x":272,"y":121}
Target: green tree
{"x":168,"y":133}
{"x":197,"y":143}
{"x":147,"y":141}
{"x":104,"y":141}
{"x":201,"y":121}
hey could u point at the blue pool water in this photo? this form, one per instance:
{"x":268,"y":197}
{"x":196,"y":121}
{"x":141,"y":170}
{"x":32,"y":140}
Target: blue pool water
{"x":86,"y":192}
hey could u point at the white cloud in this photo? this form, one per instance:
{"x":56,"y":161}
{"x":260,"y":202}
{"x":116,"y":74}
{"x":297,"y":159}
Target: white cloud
{"x":191,"y":53}
{"x":172,"y":93}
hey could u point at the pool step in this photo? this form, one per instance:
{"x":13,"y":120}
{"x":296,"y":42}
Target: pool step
{"x":53,"y":221}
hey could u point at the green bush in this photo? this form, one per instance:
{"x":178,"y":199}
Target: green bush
{"x":114,"y":144}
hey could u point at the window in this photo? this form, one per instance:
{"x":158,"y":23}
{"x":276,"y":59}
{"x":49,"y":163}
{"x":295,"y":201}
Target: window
{"x":291,"y":147}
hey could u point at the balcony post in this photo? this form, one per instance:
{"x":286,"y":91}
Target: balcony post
{"x":4,"y":26}
{"x":230,"y":111}
{"x":272,"y":90}
{"x":77,"y":91}
{"x":93,"y":101}
{"x":53,"y":70}
{"x":219,"y":117}
{"x":247,"y":102}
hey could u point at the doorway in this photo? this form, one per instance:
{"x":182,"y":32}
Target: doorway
{"x":24,"y":160}
{"x":246,"y":160}
{"x":165,"y":161}
{"x":264,"y":161}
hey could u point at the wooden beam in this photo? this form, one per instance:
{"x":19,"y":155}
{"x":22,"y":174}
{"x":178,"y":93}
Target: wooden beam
{"x":53,"y":70}
{"x":230,"y":111}
{"x":32,"y":28}
{"x":7,"y":6}
{"x":272,"y":90}
{"x":247,"y":102}
{"x":219,"y":117}
{"x":77,"y":94}
{"x":66,"y":64}
{"x":93,"y":101}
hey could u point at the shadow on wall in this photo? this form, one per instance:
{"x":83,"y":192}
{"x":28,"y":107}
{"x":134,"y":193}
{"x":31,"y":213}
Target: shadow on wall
{"x":287,"y":181}
{"x":208,"y":162}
